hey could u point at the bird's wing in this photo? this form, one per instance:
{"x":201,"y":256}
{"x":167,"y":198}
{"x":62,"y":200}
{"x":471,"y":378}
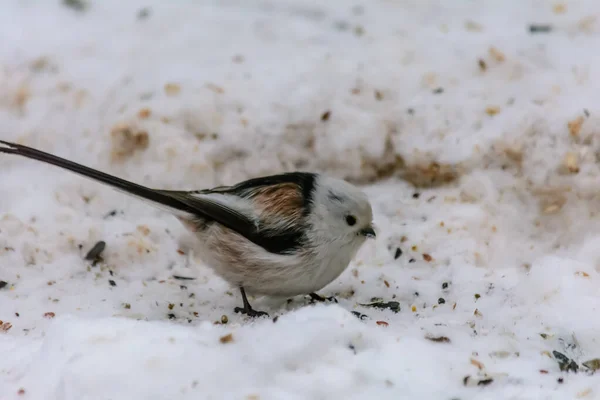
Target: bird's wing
{"x":269,"y":211}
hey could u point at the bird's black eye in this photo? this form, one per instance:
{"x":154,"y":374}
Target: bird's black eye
{"x":351,"y":220}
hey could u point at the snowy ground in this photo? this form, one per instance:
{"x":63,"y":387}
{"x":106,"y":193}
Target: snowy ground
{"x":475,"y":138}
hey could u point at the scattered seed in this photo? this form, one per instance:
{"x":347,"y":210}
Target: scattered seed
{"x":560,"y":380}
{"x":476,"y":363}
{"x":182,"y":287}
{"x":575,"y":125}
{"x":359,"y":315}
{"x":172,"y":89}
{"x":112,"y":283}
{"x":3,"y":284}
{"x":21,"y":392}
{"x":413,"y":308}
{"x":468,"y":381}
{"x":441,"y":300}
{"x":593,"y":364}
{"x":391,"y":305}
{"x":183,"y":278}
{"x":5,"y":326}
{"x":275,"y":318}
{"x":492,"y":110}
{"x":438,"y":339}
{"x":49,"y":315}
{"x":127,"y":306}
{"x":416,"y":195}
{"x":386,"y":283}
{"x":143,"y":13}
{"x":398,"y":253}
{"x":438,"y":90}
{"x":110,"y":214}
{"x":17,"y":314}
{"x":382,"y":323}
{"x":564,"y":363}
{"x":171,"y":316}
{"x":224,"y":319}
{"x":477,"y":296}
{"x":325,"y":116}
{"x":94,"y":253}
{"x":482,"y":64}
{"x":543,"y":371}
{"x":378,"y":95}
{"x":540,"y":28}
{"x":427,"y":257}
{"x":227,"y":338}
{"x":445,"y":285}
{"x":144,"y":113}
{"x":171,"y":306}
{"x":77,"y":5}
{"x":412,"y":260}
{"x":181,"y":252}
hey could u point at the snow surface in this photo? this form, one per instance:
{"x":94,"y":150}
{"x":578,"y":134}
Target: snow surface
{"x":503,"y":123}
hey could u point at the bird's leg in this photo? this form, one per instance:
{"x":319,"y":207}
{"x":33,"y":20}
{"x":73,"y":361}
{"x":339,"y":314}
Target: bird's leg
{"x":316,"y":297}
{"x":247,"y":309}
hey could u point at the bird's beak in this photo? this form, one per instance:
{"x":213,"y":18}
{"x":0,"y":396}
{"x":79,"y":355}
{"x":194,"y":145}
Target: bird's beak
{"x":368,"y":232}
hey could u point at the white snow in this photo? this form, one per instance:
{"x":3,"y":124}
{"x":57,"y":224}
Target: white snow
{"x":518,"y":226}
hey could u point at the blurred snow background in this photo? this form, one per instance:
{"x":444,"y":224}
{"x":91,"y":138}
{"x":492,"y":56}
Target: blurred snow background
{"x":472,"y":125}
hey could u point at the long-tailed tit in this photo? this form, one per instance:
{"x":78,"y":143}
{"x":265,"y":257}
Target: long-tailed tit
{"x":279,"y":235}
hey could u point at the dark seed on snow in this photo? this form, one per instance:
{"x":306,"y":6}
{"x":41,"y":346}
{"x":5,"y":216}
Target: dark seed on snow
{"x":441,"y":300}
{"x":183,"y":278}
{"x":111,"y":214}
{"x":564,"y":363}
{"x":390,"y":305}
{"x":445,"y":285}
{"x":171,"y":316}
{"x":359,"y":315}
{"x":112,"y":283}
{"x":539,"y":28}
{"x":398,"y":253}
{"x":94,"y":253}
{"x":3,"y":284}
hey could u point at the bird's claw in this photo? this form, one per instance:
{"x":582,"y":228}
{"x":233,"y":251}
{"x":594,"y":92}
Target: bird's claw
{"x":315,"y":297}
{"x":250,"y":312}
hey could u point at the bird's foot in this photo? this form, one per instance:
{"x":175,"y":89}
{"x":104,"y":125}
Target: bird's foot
{"x":315,"y":297}
{"x":249,"y":311}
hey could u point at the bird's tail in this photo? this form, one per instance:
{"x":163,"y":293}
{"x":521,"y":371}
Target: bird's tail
{"x":158,"y":198}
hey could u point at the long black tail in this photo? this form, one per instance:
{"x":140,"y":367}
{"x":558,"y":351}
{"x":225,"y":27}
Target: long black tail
{"x":158,"y":198}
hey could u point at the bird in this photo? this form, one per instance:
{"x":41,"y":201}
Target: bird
{"x":283,"y":235}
